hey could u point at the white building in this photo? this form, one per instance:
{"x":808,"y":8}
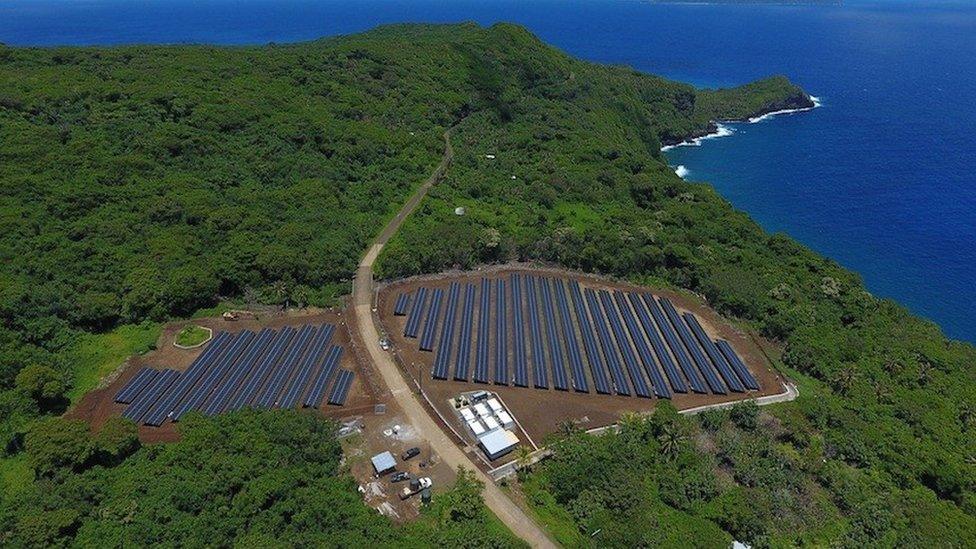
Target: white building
{"x":498,"y":443}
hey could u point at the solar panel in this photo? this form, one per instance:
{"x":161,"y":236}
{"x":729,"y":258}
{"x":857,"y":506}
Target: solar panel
{"x":464,"y":339}
{"x":139,"y":407}
{"x":337,"y":397}
{"x":674,"y":344}
{"x":559,"y":379}
{"x":569,"y":336}
{"x":221,"y":395}
{"x":501,"y":334}
{"x":253,"y":383}
{"x":317,"y":390}
{"x":433,"y":316}
{"x":585,"y":328}
{"x":695,"y":380}
{"x":400,"y":306}
{"x":445,"y":346}
{"x":740,"y":368}
{"x":416,"y":311}
{"x":621,"y":387}
{"x":315,"y":355}
{"x":280,"y":372}
{"x":518,"y":340}
{"x":623,"y":345}
{"x":539,"y":371}
{"x":714,"y":354}
{"x":135,"y":385}
{"x":661,"y":389}
{"x":484,"y":314}
{"x":704,"y":366}
{"x":213,"y":375}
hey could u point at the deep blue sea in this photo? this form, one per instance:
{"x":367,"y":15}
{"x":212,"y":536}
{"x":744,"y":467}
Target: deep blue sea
{"x":881,"y":178}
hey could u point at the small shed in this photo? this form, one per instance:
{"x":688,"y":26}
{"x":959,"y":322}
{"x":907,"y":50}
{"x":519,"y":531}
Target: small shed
{"x":476,"y":427}
{"x":491,"y":423}
{"x":383,"y":463}
{"x":482,"y":409}
{"x":498,"y":443}
{"x":467,"y":414}
{"x":495,"y":405}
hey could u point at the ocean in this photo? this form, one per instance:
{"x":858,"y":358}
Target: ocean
{"x":881,"y":177}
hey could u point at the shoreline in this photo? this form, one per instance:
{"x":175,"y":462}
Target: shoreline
{"x":719,"y":128}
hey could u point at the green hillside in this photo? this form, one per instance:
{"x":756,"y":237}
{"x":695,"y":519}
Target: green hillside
{"x":143,"y":183}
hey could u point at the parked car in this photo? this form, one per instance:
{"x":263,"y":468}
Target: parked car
{"x":410,"y":453}
{"x":400,"y":476}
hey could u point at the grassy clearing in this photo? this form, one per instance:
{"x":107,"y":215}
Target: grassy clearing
{"x":191,"y":335}
{"x":97,"y":355}
{"x":555,"y":519}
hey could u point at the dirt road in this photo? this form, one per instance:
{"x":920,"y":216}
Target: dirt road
{"x":366,"y":328}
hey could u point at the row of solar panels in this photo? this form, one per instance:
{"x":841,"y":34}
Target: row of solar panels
{"x":270,"y":369}
{"x":647,"y":347}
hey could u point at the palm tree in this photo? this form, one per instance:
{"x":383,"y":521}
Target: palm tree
{"x":280,"y":291}
{"x":671,"y":440}
{"x":568,"y":428}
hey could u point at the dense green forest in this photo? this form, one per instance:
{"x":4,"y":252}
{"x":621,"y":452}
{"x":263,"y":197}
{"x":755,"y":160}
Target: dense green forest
{"x":249,"y":479}
{"x":143,"y":183}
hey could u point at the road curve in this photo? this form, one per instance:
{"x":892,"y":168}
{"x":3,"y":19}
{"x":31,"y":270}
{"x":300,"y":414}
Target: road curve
{"x":366,"y":328}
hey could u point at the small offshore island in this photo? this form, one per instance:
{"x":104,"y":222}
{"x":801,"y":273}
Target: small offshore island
{"x":146,"y":185}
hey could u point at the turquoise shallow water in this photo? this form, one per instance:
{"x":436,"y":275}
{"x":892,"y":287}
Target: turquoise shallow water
{"x":882,"y":178}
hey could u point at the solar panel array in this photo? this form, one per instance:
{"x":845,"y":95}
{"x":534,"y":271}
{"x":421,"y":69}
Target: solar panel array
{"x":271,"y":369}
{"x":578,"y":338}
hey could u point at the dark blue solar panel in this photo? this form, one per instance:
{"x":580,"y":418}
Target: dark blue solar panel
{"x":315,"y":356}
{"x":135,"y":385}
{"x":253,"y":382}
{"x":501,"y":334}
{"x":609,"y":349}
{"x":518,"y":340}
{"x":714,"y":354}
{"x":329,"y":365}
{"x":400,"y":306}
{"x":623,"y":345}
{"x":464,"y":338}
{"x":539,"y":371}
{"x":280,"y":372}
{"x":222,"y":394}
{"x":433,"y":317}
{"x":569,"y":336}
{"x":697,"y":384}
{"x":213,"y":375}
{"x":674,"y":344}
{"x":660,"y":386}
{"x":484,"y":315}
{"x":585,"y":327}
{"x":559,"y":378}
{"x":416,"y":312}
{"x":150,"y":395}
{"x":445,"y":346}
{"x":704,"y":366}
{"x":740,"y":368}
{"x":337,"y":397}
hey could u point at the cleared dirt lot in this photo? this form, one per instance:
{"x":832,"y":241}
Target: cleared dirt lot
{"x":98,"y":405}
{"x":542,"y":411}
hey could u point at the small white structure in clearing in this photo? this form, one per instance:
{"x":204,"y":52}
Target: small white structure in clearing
{"x":498,"y":443}
{"x":495,"y":405}
{"x":505,"y":419}
{"x":476,"y":427}
{"x":467,"y":414}
{"x":491,"y":423}
{"x":383,"y":463}
{"x":459,"y":210}
{"x":490,"y":156}
{"x":482,"y":409}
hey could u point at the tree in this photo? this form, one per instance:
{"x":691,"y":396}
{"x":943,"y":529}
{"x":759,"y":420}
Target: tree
{"x":58,"y":446}
{"x":42,"y":383}
{"x":671,"y":440}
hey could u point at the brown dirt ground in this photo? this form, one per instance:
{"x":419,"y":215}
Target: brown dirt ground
{"x":98,"y":405}
{"x":541,"y":411}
